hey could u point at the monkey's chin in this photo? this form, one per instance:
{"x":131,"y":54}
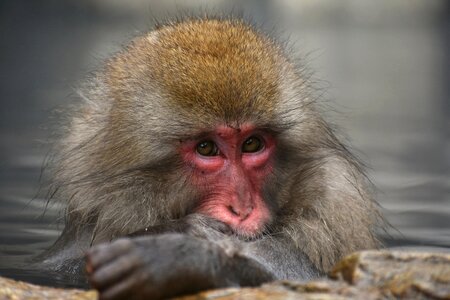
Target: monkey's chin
{"x":248,"y":233}
{"x":247,"y":229}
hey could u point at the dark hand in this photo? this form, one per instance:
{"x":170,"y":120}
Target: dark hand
{"x":155,"y":267}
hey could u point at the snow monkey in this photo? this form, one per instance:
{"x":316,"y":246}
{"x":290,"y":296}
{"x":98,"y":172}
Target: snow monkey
{"x":198,"y":159}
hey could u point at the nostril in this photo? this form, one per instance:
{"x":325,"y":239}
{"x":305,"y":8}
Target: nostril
{"x":242,"y":213}
{"x":249,"y":210}
{"x":233,"y":211}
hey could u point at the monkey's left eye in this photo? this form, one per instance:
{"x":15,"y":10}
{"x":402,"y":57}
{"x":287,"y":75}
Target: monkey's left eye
{"x":252,"y":144}
{"x":207,"y":148}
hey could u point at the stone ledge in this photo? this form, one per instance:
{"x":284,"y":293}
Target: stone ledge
{"x":362,"y":275}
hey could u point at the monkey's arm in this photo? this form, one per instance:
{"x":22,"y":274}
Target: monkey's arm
{"x":197,"y":225}
{"x":278,"y":254}
{"x":167,"y":265}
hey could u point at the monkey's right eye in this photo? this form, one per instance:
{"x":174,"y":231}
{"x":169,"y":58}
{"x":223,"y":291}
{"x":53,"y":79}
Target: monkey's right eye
{"x":207,"y":148}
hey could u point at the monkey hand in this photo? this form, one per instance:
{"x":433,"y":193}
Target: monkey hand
{"x":197,"y":225}
{"x":158,"y":266}
{"x":168,"y":265}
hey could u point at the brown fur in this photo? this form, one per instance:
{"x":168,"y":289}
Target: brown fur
{"x":118,"y":168}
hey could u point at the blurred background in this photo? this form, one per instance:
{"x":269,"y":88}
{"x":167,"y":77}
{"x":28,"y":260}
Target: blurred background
{"x":384,"y":67}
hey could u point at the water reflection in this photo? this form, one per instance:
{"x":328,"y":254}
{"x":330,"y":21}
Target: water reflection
{"x":388,"y":67}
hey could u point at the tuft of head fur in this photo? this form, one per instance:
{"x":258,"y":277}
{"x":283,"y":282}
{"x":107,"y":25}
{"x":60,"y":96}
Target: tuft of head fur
{"x":118,"y":166}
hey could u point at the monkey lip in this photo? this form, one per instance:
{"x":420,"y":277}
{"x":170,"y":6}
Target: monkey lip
{"x":247,"y":229}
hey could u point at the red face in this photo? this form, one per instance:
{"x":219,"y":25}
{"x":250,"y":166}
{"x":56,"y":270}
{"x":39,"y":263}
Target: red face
{"x":229,"y":167}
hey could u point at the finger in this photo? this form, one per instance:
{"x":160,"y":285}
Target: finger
{"x":110,"y":273}
{"x":223,"y":228}
{"x":104,"y":253}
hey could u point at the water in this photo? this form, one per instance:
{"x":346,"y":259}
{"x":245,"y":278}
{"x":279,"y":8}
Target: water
{"x":389,"y":73}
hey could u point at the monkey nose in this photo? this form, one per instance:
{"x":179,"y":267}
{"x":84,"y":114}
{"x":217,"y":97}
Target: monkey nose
{"x":241,"y":212}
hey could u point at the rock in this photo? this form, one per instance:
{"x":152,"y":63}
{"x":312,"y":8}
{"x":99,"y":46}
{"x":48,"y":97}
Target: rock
{"x":397,"y":274}
{"x":12,"y":290}
{"x":364,"y":275}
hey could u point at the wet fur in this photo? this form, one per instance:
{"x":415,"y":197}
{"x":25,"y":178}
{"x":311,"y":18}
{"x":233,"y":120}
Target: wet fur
{"x":117,"y":165}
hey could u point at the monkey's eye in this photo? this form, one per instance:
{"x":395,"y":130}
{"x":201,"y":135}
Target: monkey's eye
{"x":207,"y":148}
{"x":252,"y":144}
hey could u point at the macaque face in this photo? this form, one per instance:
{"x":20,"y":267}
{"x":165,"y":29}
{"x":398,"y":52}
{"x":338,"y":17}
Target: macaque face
{"x":229,"y":167}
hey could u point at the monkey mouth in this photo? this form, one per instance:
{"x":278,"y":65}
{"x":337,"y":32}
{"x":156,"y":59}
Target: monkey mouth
{"x":247,"y":226}
{"x":248,"y":233}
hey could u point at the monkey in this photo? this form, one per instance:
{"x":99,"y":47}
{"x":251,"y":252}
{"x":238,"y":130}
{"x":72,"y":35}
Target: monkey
{"x":198,"y":158}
